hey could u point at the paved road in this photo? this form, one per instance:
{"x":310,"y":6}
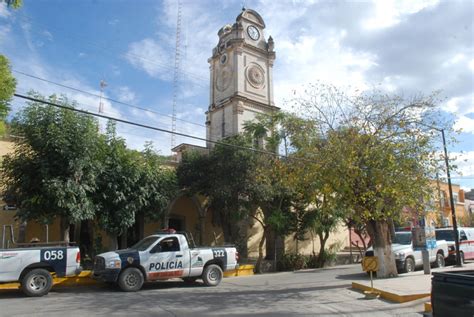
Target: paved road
{"x":321,"y":292}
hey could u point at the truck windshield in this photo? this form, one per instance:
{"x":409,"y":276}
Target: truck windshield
{"x":145,"y":243}
{"x":447,"y":235}
{"x":402,"y":238}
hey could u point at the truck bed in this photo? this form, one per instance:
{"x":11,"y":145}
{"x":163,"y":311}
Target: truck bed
{"x":452,"y":293}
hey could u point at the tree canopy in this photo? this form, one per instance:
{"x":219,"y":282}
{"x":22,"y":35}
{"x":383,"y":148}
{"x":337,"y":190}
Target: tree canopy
{"x":53,"y":169}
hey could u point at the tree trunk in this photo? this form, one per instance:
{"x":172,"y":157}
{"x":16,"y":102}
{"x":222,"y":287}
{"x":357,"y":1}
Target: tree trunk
{"x":22,"y":232}
{"x":270,"y":247}
{"x":113,"y":242}
{"x":323,"y":238}
{"x":123,"y":239}
{"x":379,"y":231}
{"x":64,"y":224}
{"x":140,"y":225}
{"x":258,"y":265}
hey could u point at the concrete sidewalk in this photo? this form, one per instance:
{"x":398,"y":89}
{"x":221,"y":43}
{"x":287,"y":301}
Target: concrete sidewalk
{"x":406,"y":287}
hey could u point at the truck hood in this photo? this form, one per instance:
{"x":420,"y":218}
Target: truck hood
{"x":396,"y":247}
{"x":400,"y":247}
{"x":109,"y":255}
{"x":125,"y":256}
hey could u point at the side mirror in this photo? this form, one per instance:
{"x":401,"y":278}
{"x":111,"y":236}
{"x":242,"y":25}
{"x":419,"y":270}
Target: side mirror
{"x":156,"y":249}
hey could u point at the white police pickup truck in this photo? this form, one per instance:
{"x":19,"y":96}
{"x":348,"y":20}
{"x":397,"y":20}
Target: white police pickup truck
{"x":32,"y":266}
{"x":408,"y":259}
{"x":164,"y":256}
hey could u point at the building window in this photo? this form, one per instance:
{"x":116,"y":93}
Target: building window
{"x":455,"y":198}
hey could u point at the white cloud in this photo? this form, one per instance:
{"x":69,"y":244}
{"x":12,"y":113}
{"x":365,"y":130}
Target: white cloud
{"x":390,"y":12}
{"x":465,"y":164}
{"x":465,"y":124}
{"x":4,"y":32}
{"x":47,"y":35}
{"x":125,"y":94}
{"x":4,"y":13}
{"x":151,"y":57}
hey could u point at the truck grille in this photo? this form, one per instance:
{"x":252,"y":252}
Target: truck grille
{"x":99,"y":263}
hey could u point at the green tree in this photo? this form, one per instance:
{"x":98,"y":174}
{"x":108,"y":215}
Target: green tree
{"x":380,"y":156}
{"x":53,"y":169}
{"x":317,"y":206}
{"x":116,"y":198}
{"x":15,"y":4}
{"x":156,"y":187}
{"x":271,"y":194}
{"x":226,"y":177}
{"x":7,"y":88}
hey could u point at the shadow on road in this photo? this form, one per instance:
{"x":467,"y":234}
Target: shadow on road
{"x":353,"y":277}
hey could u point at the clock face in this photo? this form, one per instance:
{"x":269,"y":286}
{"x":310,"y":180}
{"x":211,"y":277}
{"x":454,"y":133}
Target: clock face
{"x":252,"y":31}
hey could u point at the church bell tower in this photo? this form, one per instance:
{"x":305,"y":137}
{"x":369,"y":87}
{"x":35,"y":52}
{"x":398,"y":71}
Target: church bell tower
{"x":241,"y":83}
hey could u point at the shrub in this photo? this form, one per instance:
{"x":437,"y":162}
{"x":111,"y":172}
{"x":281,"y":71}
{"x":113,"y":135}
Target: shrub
{"x":293,"y":262}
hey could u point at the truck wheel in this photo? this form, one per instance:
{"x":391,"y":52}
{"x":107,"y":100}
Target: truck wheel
{"x":439,"y":262}
{"x":130,"y":280}
{"x":409,"y":265}
{"x":212,"y":275}
{"x":36,"y":283}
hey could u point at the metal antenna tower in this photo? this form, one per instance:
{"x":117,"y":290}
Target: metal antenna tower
{"x":177,"y":60}
{"x":102,"y":84}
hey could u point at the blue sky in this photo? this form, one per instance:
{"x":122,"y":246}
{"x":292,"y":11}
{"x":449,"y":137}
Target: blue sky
{"x":405,"y":46}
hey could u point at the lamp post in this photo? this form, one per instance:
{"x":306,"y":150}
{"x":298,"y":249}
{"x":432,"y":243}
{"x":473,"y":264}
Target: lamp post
{"x":451,"y":201}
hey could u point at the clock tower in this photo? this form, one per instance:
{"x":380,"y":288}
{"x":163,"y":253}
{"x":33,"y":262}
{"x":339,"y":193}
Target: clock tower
{"x":241,"y":84}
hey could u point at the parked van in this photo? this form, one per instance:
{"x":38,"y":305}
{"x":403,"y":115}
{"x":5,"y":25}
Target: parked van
{"x":466,"y":242}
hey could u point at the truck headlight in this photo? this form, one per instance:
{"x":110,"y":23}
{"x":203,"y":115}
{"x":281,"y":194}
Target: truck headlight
{"x":400,"y":255}
{"x":114,"y":264}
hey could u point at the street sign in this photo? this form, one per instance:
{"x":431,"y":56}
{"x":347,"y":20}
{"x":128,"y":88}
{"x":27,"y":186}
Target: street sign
{"x":370,"y":264}
{"x":424,"y":238}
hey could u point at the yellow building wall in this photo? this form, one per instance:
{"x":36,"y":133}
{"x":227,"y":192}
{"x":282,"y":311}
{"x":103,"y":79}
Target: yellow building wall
{"x":340,"y":236}
{"x":442,"y":206}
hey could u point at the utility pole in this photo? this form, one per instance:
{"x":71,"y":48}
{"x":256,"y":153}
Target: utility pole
{"x":451,"y":202}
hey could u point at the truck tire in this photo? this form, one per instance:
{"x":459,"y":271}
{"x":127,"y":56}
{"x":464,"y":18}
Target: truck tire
{"x":409,"y":265}
{"x":131,"y":280}
{"x":212,"y":275}
{"x":439,"y":261}
{"x":36,"y":283}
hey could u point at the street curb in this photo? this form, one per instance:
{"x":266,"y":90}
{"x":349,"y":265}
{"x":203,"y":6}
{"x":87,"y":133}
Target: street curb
{"x":243,"y":270}
{"x":391,"y":296}
{"x":85,"y":279}
{"x":428,"y":308}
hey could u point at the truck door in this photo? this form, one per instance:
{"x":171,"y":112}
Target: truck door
{"x":166,"y":260}
{"x":465,"y":244}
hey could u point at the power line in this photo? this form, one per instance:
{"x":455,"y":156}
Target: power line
{"x":106,"y":98}
{"x":198,"y":80}
{"x":154,"y":128}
